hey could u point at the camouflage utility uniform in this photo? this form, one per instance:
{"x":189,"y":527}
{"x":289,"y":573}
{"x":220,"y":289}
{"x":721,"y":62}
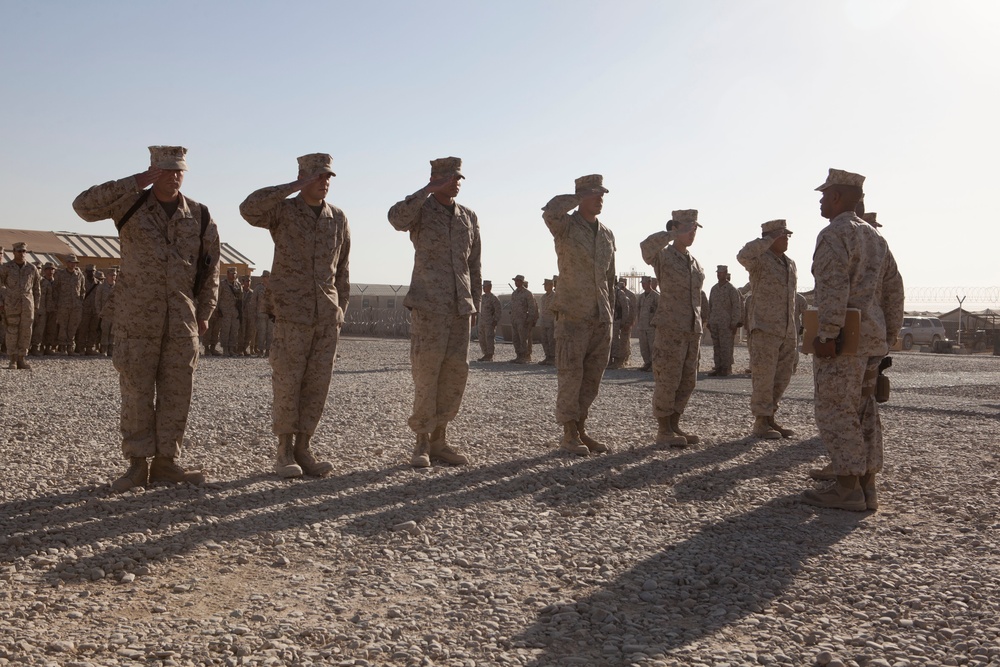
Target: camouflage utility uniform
{"x":677,"y":321}
{"x":156,"y":311}
{"x":21,"y":294}
{"x":489,"y":317}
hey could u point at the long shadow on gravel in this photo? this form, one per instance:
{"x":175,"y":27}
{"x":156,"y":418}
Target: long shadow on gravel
{"x":727,"y":571}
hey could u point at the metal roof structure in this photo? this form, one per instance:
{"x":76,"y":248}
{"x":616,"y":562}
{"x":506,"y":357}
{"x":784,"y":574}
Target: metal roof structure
{"x":53,"y":247}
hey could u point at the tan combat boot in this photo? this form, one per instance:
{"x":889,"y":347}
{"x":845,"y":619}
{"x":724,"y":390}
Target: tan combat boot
{"x":13,"y":362}
{"x":675,"y":426}
{"x":785,"y":432}
{"x":136,"y":475}
{"x":665,"y":434}
{"x":441,"y":451}
{"x":306,"y":460}
{"x":844,"y":494}
{"x":867,"y":482}
{"x":762,"y":429}
{"x":22,"y":363}
{"x":594,"y":446}
{"x":422,"y":452}
{"x":164,"y":469}
{"x":824,"y":473}
{"x":284,"y":460}
{"x":571,"y":441}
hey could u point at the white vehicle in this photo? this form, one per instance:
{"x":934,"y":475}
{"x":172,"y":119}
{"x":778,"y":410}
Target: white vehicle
{"x":921,"y":331}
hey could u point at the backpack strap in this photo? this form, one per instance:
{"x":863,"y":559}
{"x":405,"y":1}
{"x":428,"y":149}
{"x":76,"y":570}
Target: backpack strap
{"x":135,"y":207}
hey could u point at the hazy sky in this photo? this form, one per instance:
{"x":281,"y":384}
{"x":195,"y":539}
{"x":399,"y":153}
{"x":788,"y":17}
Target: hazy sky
{"x":736,"y":108}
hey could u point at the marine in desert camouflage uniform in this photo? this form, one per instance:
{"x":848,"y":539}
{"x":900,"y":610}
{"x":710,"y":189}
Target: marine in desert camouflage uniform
{"x":21,"y":294}
{"x":853,"y":268}
{"x":310,"y":289}
{"x":106,"y":311}
{"x":621,"y":328}
{"x":69,"y":290}
{"x":647,"y":302}
{"x":523,"y":315}
{"x":444,"y":296}
{"x":772,"y":325}
{"x":265,"y":314}
{"x":489,"y":318}
{"x":230,"y":307}
{"x":725,"y":307}
{"x":547,"y":322}
{"x":678,"y":323}
{"x":158,"y":315}
{"x":584,"y":305}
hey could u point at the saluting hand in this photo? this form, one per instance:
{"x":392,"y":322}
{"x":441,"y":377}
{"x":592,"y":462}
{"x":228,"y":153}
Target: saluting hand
{"x":440,"y":183}
{"x":147,"y":177}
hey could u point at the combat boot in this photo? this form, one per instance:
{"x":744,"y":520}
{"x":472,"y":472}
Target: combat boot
{"x":675,"y":420}
{"x":867,"y":482}
{"x":571,"y":441}
{"x":22,"y":363}
{"x":421,"y":452}
{"x":441,"y":451}
{"x":762,"y":429}
{"x":164,"y":469}
{"x":824,"y":473}
{"x":306,"y":460}
{"x":844,"y":494}
{"x":593,"y":445}
{"x":13,"y":362}
{"x":284,"y":461}
{"x":665,"y":434}
{"x":136,"y":475}
{"x":785,"y":432}
{"x":111,"y":349}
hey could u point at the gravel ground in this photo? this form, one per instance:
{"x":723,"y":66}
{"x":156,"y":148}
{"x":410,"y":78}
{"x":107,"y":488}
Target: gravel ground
{"x":644,"y":556}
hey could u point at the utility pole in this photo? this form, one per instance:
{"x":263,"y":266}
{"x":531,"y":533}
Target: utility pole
{"x":960,"y":302}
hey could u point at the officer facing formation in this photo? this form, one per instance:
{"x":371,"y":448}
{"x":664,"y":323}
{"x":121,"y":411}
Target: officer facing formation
{"x":583,"y":306}
{"x":772,"y":324}
{"x":488,"y":320}
{"x":647,"y":302}
{"x":310,"y":289}
{"x":22,"y":291}
{"x":725,"y":307}
{"x":166,"y":293}
{"x":678,"y":323}
{"x":523,"y":315}
{"x":547,"y":320}
{"x":853,"y":268}
{"x":444,"y":296}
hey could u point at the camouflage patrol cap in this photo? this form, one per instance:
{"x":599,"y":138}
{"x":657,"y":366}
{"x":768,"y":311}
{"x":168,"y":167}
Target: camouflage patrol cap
{"x":48,"y":265}
{"x":774,"y":226}
{"x":168,"y":157}
{"x":98,"y":274}
{"x":316,"y":163}
{"x":590,"y":184}
{"x":870,"y":219}
{"x":265,"y":274}
{"x":231,"y":269}
{"x":841,"y":177}
{"x":20,"y":245}
{"x":90,"y":267}
{"x":685,"y":215}
{"x":447,"y":166}
{"x":488,"y":282}
{"x":547,"y":281}
{"x":722,"y":268}
{"x":518,"y":277}
{"x":111,"y":271}
{"x":71,"y":259}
